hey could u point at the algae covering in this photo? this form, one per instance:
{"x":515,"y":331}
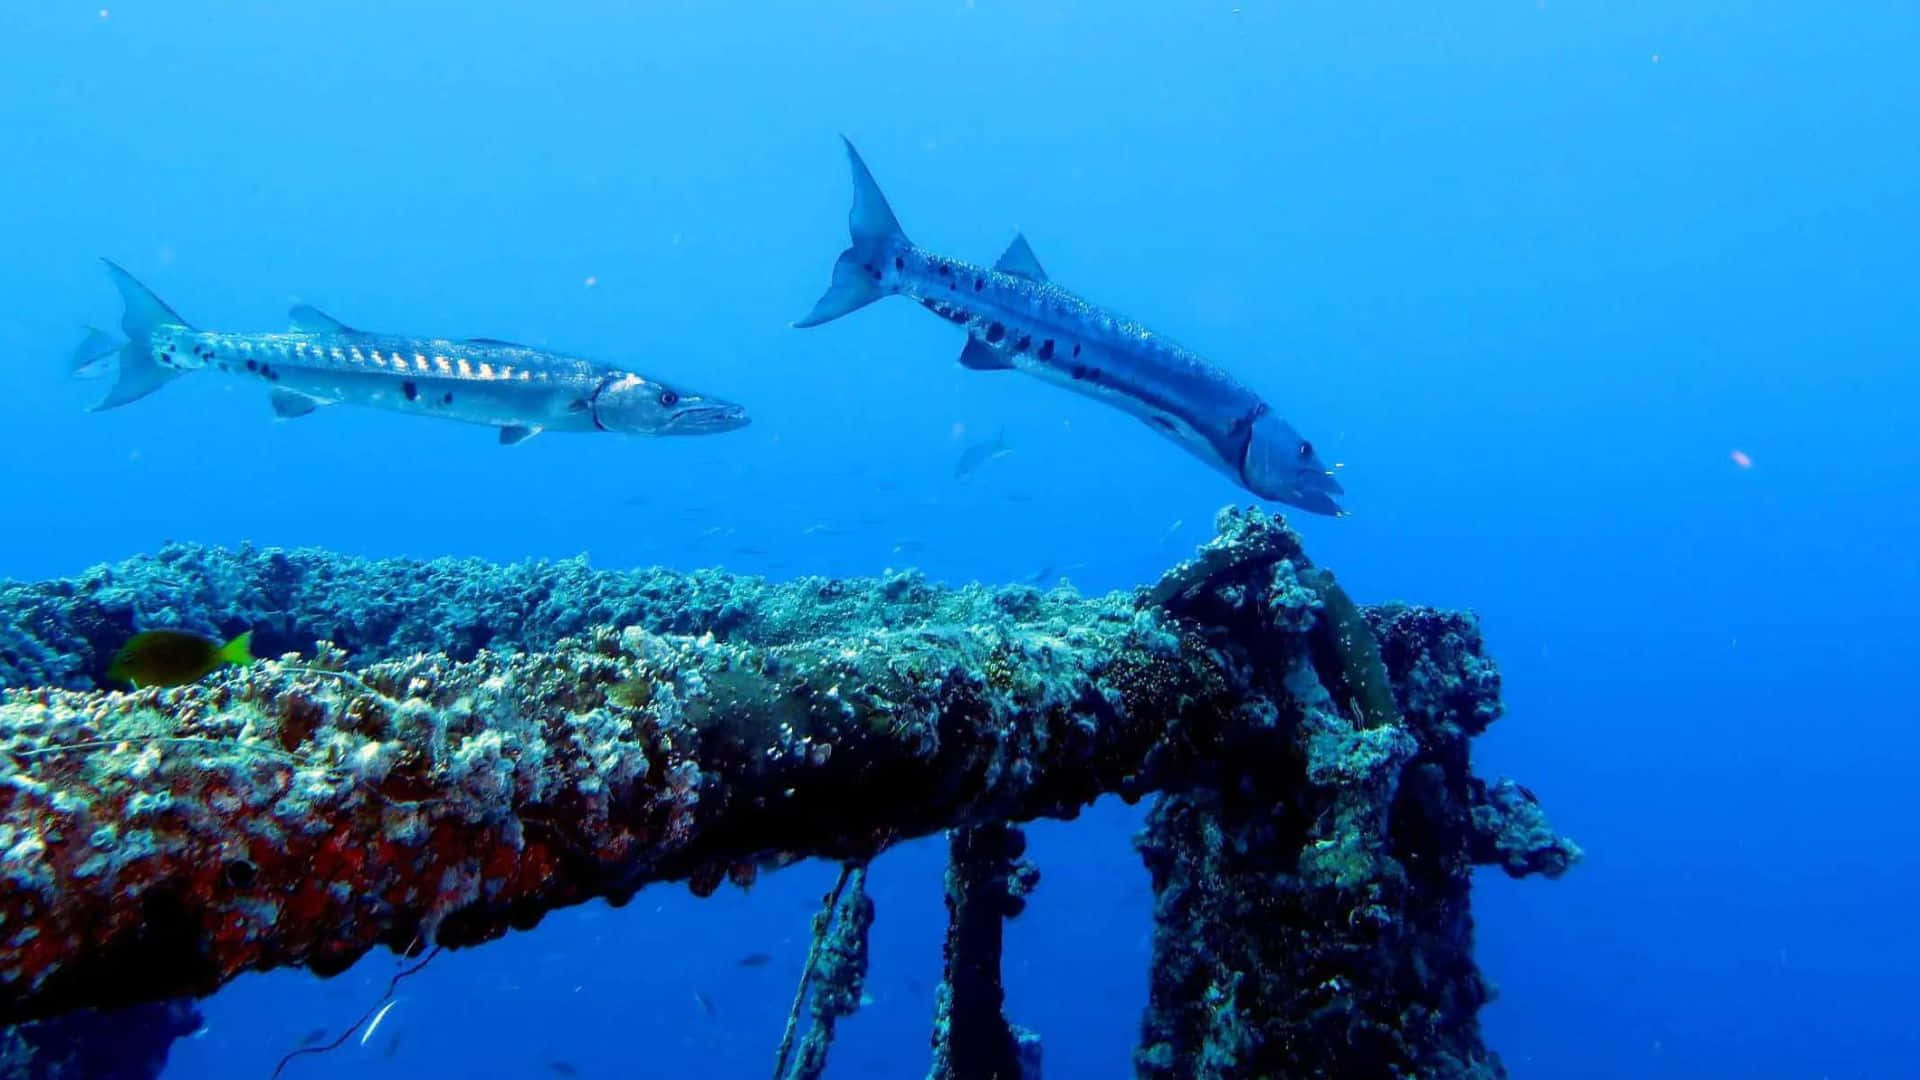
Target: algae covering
{"x":448,"y":750}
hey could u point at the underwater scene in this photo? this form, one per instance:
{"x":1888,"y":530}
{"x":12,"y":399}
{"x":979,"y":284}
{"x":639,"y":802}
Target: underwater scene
{"x":959,"y":539}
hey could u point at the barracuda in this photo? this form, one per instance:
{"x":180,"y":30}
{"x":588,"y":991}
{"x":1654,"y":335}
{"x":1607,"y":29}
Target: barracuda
{"x":519,"y":390}
{"x":1016,"y":319}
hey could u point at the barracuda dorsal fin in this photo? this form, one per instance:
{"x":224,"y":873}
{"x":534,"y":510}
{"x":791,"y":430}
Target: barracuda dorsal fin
{"x":494,"y":341}
{"x":311,"y":320}
{"x":288,"y":404}
{"x":1020,"y":261}
{"x":517,"y":434}
{"x":979,"y":356}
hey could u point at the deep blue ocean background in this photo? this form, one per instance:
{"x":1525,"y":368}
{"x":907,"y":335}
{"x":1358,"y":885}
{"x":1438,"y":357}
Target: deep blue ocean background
{"x":1533,"y":270}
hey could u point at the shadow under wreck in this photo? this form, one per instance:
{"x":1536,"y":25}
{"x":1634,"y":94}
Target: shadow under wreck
{"x":514,"y":739}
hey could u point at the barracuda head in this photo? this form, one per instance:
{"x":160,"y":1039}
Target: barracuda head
{"x":1282,"y":466}
{"x":636,"y":405}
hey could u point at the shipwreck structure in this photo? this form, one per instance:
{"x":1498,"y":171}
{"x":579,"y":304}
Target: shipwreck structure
{"x":448,"y":750}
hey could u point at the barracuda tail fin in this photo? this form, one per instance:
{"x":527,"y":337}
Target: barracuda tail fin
{"x":857,"y":276}
{"x":139,"y":374}
{"x":90,"y":356}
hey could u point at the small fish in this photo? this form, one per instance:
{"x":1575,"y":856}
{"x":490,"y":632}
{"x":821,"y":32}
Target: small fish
{"x":393,"y":1044}
{"x":175,"y":657}
{"x":1172,"y":530}
{"x":1051,"y":575}
{"x":755,"y":959}
{"x":977,"y":455}
{"x":705,"y":1003}
{"x":314,"y":1037}
{"x":377,"y":1017}
{"x":563,"y":1068}
{"x":1017,"y":319}
{"x":519,"y":390}
{"x":634,"y":693}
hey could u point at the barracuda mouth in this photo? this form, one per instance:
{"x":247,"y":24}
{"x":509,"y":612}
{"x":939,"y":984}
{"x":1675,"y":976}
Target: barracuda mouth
{"x":1324,"y":483}
{"x":707,"y":419}
{"x":1313,"y":491}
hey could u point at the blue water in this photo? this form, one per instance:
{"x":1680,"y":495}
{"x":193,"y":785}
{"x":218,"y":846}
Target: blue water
{"x":1532,"y":270}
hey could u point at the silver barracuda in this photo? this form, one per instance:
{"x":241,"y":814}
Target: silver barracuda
{"x":1017,"y":319}
{"x":519,"y":390}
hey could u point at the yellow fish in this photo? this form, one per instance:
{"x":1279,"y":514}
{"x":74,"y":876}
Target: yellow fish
{"x":175,"y":657}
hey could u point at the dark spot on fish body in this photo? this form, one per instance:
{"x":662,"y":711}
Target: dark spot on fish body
{"x":995,"y":332}
{"x":948,"y":312}
{"x":899,"y":263}
{"x":446,"y":398}
{"x":1078,"y":371}
{"x":979,"y":283}
{"x":1022,"y":343}
{"x":241,"y":874}
{"x":1076,"y":348}
{"x":1046,"y":349}
{"x":873,"y":271}
{"x":253,"y":365}
{"x":411,"y":389}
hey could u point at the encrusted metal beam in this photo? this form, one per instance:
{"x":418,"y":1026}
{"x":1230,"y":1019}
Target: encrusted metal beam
{"x":588,"y":733}
{"x":987,"y":884}
{"x":159,"y":842}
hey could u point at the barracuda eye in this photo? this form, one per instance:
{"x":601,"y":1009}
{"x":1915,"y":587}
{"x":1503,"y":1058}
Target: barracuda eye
{"x":1306,"y":450}
{"x":669,"y":398}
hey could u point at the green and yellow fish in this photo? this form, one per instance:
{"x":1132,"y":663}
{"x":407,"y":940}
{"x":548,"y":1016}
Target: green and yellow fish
{"x":175,"y":657}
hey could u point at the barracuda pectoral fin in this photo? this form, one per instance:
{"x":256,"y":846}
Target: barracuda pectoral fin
{"x":518,"y":433}
{"x":1020,"y":261}
{"x":980,"y":356}
{"x":311,"y":320}
{"x":288,"y":404}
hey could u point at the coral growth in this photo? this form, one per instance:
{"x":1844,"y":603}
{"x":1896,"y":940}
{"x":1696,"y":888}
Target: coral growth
{"x":511,"y":740}
{"x":1312,"y":907}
